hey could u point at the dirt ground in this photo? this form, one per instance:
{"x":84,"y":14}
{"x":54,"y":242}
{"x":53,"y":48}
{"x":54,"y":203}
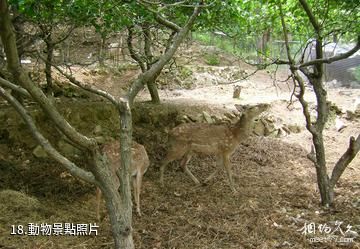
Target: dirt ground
{"x":277,"y":202}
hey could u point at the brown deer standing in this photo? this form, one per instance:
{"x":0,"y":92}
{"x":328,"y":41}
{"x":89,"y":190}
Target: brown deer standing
{"x":220,"y":140}
{"x":139,"y":165}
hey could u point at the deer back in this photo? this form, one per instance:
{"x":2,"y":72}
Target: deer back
{"x":139,"y":158}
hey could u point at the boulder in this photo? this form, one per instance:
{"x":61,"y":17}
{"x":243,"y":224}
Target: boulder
{"x":185,"y":119}
{"x":259,"y":128}
{"x":39,"y":152}
{"x":97,"y":130}
{"x":207,"y":118}
{"x":229,"y":115}
{"x":294,"y":128}
{"x":67,"y":149}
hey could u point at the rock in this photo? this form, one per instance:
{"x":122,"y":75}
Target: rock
{"x":352,"y":115}
{"x":286,"y":129}
{"x":237,"y":91}
{"x":217,"y":119}
{"x":97,"y":130}
{"x":293,"y":128}
{"x":198,"y":118}
{"x":270,"y":129}
{"x":67,"y":149}
{"x":274,"y":134}
{"x":269,"y":120}
{"x":281,"y":133}
{"x":39,"y":152}
{"x":259,"y":128}
{"x":334,"y":108}
{"x":100,"y":139}
{"x":236,"y":113}
{"x":185,"y":119}
{"x":226,"y":120}
{"x":229,"y":115}
{"x":56,"y":53}
{"x":207,"y":118}
{"x":339,"y":125}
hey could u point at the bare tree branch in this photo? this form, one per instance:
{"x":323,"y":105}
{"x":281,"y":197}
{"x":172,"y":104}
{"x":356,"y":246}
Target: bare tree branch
{"x":147,"y":44}
{"x":296,"y":77}
{"x":70,"y":166}
{"x":86,"y":87}
{"x":65,"y":36}
{"x":132,"y":51}
{"x":334,"y":58}
{"x":12,"y":86}
{"x":169,"y":40}
{"x":159,"y":18}
{"x":158,"y":66}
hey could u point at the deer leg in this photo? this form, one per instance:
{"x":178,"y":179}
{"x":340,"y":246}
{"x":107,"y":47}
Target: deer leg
{"x":219,"y":162}
{"x":137,"y":181}
{"x":227,"y":165}
{"x":183,"y":165}
{"x":173,"y":154}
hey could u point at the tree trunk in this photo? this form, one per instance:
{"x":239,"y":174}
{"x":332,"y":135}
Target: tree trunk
{"x":326,"y":193}
{"x":315,"y":80}
{"x":117,"y":208}
{"x":151,"y":85}
{"x":124,"y":174}
{"x":155,"y":98}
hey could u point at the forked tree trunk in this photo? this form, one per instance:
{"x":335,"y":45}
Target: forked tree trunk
{"x":155,"y":69}
{"x":119,"y":210}
{"x":314,"y":71}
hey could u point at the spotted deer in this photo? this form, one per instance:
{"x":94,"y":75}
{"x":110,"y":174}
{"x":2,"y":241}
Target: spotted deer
{"x":139,"y":165}
{"x":221,"y":140}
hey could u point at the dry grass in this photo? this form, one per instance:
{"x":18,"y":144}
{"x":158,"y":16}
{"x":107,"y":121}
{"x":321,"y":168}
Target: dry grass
{"x":277,"y":195}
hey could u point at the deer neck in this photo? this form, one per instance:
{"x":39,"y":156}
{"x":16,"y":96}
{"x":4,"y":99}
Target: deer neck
{"x":242,"y":128}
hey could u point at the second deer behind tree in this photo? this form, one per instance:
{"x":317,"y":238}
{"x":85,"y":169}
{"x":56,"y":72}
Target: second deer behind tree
{"x":210,"y":139}
{"x":139,"y":165}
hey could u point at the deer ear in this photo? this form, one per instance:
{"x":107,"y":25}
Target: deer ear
{"x":240,"y":108}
